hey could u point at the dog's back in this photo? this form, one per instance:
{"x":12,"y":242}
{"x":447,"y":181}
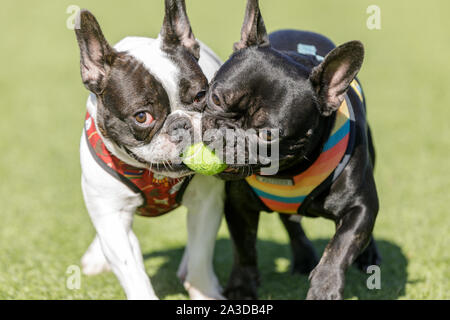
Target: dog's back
{"x":289,"y":40}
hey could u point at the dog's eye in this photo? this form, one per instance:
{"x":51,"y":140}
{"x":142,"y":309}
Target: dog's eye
{"x":199,"y":97}
{"x":216,"y":100}
{"x":143,"y":118}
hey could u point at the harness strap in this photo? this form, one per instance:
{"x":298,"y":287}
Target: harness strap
{"x":160,"y":194}
{"x":289,"y":195}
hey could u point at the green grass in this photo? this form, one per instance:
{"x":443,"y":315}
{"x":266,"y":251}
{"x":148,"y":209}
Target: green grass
{"x":45,"y":227}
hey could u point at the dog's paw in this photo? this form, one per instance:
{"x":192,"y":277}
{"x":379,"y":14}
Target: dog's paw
{"x":323,"y":294}
{"x":196,"y":294}
{"x":243,"y":284}
{"x":240,"y":293}
{"x":326,"y":284}
{"x":92,"y":268}
{"x":93,"y":264}
{"x":93,"y":261}
{"x":142,"y":296}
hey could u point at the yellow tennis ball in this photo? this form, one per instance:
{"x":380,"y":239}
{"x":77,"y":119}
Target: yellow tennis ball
{"x":203,"y":160}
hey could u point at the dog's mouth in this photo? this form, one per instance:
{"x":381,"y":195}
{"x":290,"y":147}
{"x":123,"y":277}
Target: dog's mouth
{"x":167,"y":166}
{"x":170,"y":169}
{"x":231,"y":170}
{"x":161,"y":166}
{"x":236,"y":173}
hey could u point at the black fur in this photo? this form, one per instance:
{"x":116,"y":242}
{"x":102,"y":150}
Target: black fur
{"x":275,"y":87}
{"x":183,"y":49}
{"x":176,"y":31}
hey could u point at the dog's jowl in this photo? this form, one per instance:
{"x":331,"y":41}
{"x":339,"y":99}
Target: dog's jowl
{"x":300,"y":84}
{"x":143,"y":92}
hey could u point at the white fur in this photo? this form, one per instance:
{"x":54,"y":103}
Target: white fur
{"x":111,"y":204}
{"x":148,"y":51}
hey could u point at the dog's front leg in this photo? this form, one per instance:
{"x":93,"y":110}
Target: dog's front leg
{"x":94,"y":261}
{"x":353,"y":233}
{"x":120,"y":248}
{"x":204,"y":199}
{"x":111,"y":206}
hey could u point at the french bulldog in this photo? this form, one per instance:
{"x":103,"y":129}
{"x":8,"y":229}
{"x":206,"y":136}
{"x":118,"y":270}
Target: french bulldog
{"x":303,"y":87}
{"x":144,"y":92}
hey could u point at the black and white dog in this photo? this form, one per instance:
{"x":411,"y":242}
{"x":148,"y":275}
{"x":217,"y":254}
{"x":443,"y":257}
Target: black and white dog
{"x":299,"y":84}
{"x":143,"y":92}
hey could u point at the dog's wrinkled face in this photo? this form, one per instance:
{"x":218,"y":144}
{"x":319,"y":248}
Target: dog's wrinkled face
{"x":149,"y":92}
{"x":258,"y":95}
{"x":274,"y":98}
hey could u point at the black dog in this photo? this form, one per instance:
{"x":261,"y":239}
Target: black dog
{"x":299,"y":83}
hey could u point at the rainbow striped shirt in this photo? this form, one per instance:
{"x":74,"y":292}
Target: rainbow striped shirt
{"x":284,"y":197}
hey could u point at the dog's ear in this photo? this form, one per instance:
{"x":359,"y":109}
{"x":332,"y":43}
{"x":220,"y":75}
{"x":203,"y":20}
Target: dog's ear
{"x":253,"y":32}
{"x":176,"y":29}
{"x":96,"y":54}
{"x":333,"y":76}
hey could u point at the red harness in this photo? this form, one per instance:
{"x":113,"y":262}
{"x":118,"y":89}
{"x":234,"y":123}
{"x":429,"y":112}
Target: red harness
{"x":161,"y":194}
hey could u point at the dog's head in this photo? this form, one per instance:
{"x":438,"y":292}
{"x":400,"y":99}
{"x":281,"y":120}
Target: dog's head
{"x":148,"y":92}
{"x":275,"y":97}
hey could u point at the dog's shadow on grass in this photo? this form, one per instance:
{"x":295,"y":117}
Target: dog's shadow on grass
{"x":277,"y":282}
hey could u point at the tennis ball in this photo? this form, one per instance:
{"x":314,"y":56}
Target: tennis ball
{"x":203,"y":160}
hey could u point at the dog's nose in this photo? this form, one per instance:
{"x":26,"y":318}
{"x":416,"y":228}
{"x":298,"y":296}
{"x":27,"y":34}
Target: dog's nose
{"x":179,"y":127}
